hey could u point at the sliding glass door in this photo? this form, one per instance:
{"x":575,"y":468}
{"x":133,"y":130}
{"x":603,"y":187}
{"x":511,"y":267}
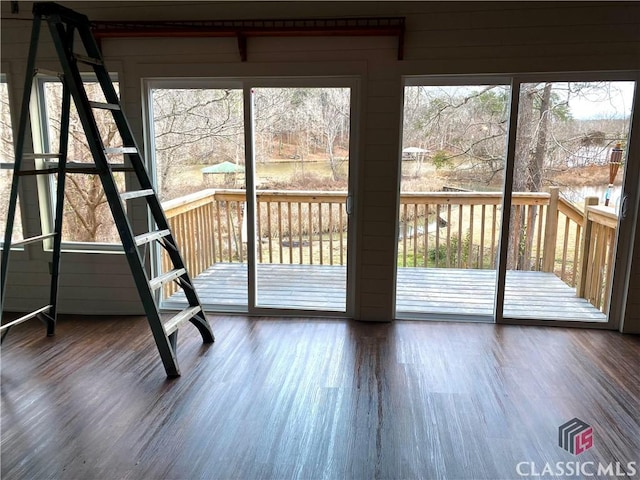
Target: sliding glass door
{"x":301,"y":155}
{"x":571,"y":150}
{"x":453,"y":151}
{"x":555,"y":154}
{"x":254,"y":179}
{"x":198,"y":145}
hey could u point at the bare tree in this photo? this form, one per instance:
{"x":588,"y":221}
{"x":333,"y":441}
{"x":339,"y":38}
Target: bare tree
{"x":87,"y":214}
{"x":6,"y":155}
{"x":333,"y":122}
{"x":195,"y":127}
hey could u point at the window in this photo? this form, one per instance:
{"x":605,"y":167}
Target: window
{"x":87,"y":217}
{"x":6,"y":163}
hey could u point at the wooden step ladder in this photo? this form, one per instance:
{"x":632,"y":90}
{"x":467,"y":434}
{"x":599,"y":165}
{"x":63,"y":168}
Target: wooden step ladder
{"x":64,"y":24}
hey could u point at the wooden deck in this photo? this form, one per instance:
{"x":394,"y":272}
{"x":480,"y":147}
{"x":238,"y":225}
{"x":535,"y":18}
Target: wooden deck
{"x":420,"y":292}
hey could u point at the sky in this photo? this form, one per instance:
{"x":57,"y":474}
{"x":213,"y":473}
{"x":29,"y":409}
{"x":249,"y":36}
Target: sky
{"x":613,"y":100}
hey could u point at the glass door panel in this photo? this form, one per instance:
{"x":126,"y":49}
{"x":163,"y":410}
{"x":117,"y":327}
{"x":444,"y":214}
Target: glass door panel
{"x":301,"y":138}
{"x":199,"y":151}
{"x":569,"y":165}
{"x":453,"y":157}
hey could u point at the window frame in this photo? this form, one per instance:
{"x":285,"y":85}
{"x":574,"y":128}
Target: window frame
{"x":40,"y":121}
{"x":4,"y":78}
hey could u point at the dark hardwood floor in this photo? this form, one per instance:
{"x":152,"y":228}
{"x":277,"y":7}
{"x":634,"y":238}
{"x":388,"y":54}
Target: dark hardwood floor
{"x":309,"y":398}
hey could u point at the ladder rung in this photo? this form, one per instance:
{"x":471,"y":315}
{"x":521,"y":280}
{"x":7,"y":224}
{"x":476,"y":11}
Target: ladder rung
{"x":174,"y":322}
{"x":79,"y":167}
{"x":33,"y":156}
{"x":120,"y":150}
{"x":87,"y":60}
{"x":26,"y":317}
{"x":42,"y":171}
{"x":49,"y":73}
{"x":121,"y":167}
{"x":166,"y":278}
{"x":29,"y":240}
{"x":151,"y":236}
{"x":136,"y":194}
{"x":105,"y":106}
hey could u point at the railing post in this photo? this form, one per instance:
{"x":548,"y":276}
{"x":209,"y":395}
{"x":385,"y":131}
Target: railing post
{"x":587,"y":225}
{"x":551,"y":231}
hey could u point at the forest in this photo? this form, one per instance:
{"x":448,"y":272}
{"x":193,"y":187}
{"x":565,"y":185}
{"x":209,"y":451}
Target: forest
{"x":457,"y":134}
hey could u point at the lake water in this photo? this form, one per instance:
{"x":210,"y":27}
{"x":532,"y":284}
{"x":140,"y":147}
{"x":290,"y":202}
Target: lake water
{"x":577,"y":195}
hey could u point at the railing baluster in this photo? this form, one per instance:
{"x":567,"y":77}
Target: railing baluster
{"x":290,"y":232}
{"x":330,"y":233}
{"x":608,"y":270}
{"x":459,"y":261}
{"x":320,"y":233}
{"x":185,"y":239}
{"x":259,"y":228}
{"x":341,"y":232}
{"x":551,"y":231}
{"x":270,"y":240}
{"x":229,"y":230}
{"x":565,"y":246}
{"x":576,"y":255}
{"x":310,"y":234}
{"x":281,"y":260}
{"x":470,"y":249}
{"x":415,"y":234}
{"x":300,"y":232}
{"x":494,"y":215}
{"x":448,"y":236}
{"x":597,"y":282}
{"x":199,"y":240}
{"x":483,"y":217}
{"x":531,"y":222}
{"x":426,"y":234}
{"x":238,"y":226}
{"x":219,"y":228}
{"x":516,"y":235}
{"x":404,"y":235}
{"x":541,"y":213}
{"x":437,"y":227}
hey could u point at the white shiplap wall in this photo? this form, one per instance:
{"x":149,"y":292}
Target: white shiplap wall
{"x":442,"y":38}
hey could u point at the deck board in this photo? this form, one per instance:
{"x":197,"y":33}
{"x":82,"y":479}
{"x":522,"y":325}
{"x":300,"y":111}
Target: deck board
{"x":420,"y":291}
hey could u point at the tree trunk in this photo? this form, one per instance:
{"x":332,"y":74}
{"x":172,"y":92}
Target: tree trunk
{"x":520,"y":171}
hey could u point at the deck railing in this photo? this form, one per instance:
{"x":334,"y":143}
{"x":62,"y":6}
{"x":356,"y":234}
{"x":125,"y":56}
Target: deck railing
{"x":436,"y":229}
{"x":599,"y":244}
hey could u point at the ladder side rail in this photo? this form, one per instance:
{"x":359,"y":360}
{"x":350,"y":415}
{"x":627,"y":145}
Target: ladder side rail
{"x":19,"y":151}
{"x":76,"y":87}
{"x":63,"y":14}
{"x":124,"y":128}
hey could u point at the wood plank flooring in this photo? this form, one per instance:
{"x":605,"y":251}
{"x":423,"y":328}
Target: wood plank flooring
{"x":430,"y":291}
{"x":311,"y":399}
